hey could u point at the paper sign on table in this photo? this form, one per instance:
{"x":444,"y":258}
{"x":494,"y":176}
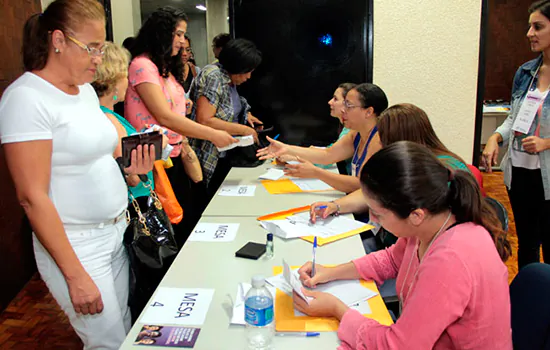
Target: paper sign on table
{"x":244,"y":141}
{"x":237,"y":191}
{"x":272,"y":174}
{"x":166,"y":336}
{"x":238,"y":306}
{"x":207,"y":232}
{"x":180,"y":306}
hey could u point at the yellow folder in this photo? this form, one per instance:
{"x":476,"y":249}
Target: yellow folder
{"x":320,"y":241}
{"x":286,"y":321}
{"x":285,"y":186}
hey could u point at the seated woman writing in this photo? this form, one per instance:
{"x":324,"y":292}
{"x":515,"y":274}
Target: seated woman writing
{"x":362,"y":106}
{"x":401,"y":122}
{"x":451,"y":282}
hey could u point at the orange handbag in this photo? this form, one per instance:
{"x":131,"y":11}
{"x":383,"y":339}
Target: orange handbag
{"x":164,"y":191}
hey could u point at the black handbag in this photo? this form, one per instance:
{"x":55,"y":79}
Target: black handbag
{"x":151,"y":246}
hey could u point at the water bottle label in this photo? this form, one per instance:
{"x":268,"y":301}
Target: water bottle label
{"x":258,"y":317}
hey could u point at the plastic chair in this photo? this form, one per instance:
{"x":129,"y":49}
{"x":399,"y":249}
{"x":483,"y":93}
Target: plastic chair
{"x":501,"y":212}
{"x":530,"y":305}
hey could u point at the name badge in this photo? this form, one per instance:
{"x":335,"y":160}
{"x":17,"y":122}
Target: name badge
{"x":527,"y":111}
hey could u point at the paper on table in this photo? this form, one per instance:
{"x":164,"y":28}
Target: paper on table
{"x":291,"y":277}
{"x":311,"y":184}
{"x":180,"y":306}
{"x":207,"y":232}
{"x":272,"y":174}
{"x":324,"y":228}
{"x":244,"y":141}
{"x":283,"y":228}
{"x":238,"y":306}
{"x":237,"y":191}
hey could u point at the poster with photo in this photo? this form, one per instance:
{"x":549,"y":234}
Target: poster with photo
{"x":167,"y":336}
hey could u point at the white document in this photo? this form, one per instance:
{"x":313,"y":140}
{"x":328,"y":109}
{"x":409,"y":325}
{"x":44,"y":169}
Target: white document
{"x":206,"y":232}
{"x":311,"y":184}
{"x":292,"y":278}
{"x":244,"y":141}
{"x":179,"y":306}
{"x":238,"y":306}
{"x":272,"y":174}
{"x":237,"y":191}
{"x":299,"y":225}
{"x":528,"y":111}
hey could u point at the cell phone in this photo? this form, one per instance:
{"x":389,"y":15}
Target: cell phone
{"x":130,"y":143}
{"x":251,"y":250}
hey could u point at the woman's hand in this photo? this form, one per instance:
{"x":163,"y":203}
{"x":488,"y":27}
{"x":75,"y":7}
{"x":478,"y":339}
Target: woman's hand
{"x":322,"y":304}
{"x":490,"y":154}
{"x":142,"y":160}
{"x":85,"y":295}
{"x":322,"y":274}
{"x":252,"y":131}
{"x":253,"y":120}
{"x":304,"y":170}
{"x":322,"y":209}
{"x":534,"y":144}
{"x":221,"y":138}
{"x":274,"y":150}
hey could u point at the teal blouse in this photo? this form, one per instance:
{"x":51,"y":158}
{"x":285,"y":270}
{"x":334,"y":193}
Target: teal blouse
{"x":453,"y":163}
{"x":140,"y":190}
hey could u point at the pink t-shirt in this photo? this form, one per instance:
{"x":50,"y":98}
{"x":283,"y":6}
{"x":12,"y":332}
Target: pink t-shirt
{"x":460,"y":299}
{"x":143,"y":70}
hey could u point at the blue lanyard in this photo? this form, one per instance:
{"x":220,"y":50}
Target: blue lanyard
{"x":358,"y":162}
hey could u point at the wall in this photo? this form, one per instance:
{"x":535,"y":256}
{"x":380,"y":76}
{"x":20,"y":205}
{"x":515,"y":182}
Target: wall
{"x":16,"y":255}
{"x":426,"y":53}
{"x":196,"y":29}
{"x":126,"y":19}
{"x":216,"y":21}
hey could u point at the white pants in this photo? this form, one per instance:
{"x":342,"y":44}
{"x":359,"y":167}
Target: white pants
{"x":102,"y":253}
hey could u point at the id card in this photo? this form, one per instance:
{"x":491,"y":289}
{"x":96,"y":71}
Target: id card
{"x":528,"y":111}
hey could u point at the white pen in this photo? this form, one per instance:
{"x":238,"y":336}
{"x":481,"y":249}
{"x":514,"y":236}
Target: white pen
{"x":298,"y":334}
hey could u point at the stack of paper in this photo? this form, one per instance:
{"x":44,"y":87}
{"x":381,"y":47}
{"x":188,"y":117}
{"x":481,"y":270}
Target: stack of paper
{"x":309,"y":185}
{"x":244,"y":141}
{"x":272,"y":174}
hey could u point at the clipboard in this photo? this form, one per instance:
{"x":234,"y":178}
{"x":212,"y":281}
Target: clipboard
{"x":320,"y":241}
{"x":283,"y":186}
{"x":285,"y":321}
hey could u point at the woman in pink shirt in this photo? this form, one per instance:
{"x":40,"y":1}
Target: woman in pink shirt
{"x":451,"y":281}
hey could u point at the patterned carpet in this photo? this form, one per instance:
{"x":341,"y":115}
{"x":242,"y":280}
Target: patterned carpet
{"x":34,"y":321}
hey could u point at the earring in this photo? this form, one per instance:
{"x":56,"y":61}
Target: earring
{"x":115,"y":97}
{"x":57,"y":50}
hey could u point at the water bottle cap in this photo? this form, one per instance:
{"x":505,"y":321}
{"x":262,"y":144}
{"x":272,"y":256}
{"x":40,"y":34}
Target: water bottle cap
{"x":270,"y":236}
{"x":258,"y":281}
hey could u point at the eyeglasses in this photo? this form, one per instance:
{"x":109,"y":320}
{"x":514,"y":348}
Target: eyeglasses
{"x":348,"y":105}
{"x":92,"y":51}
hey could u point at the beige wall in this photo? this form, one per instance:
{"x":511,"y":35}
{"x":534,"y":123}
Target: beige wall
{"x":216,"y":21}
{"x":426,"y":53}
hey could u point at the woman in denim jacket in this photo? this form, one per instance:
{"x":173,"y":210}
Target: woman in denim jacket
{"x":526,"y":164}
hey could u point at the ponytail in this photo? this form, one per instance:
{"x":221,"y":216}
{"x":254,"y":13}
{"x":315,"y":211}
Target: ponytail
{"x":35,"y":43}
{"x":468,"y":205}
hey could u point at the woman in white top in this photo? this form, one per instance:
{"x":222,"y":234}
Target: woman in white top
{"x":59,"y":146}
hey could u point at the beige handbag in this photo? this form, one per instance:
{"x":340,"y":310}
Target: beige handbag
{"x":191,"y":162}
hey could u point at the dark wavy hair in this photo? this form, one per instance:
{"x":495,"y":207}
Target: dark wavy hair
{"x":240,"y":56}
{"x":406,"y":176}
{"x":543,"y":6}
{"x":155,"y":40}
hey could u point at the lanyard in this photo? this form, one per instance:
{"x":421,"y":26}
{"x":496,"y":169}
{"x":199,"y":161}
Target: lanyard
{"x":356,"y":163}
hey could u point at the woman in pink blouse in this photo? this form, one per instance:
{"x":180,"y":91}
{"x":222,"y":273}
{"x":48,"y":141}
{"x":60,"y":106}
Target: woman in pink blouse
{"x":451,"y":281}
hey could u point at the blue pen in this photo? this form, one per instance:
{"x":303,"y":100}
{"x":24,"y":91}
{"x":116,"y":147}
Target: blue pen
{"x":314,"y":249}
{"x":298,"y":334}
{"x":276,"y":137}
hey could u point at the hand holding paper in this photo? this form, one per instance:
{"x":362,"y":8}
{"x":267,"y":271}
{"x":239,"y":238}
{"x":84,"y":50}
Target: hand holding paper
{"x":244,"y":141}
{"x":320,"y":304}
{"x":322,"y":274}
{"x":292,"y":279}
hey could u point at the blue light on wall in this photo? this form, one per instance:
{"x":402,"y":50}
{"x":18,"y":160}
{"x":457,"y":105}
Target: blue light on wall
{"x":326,"y":39}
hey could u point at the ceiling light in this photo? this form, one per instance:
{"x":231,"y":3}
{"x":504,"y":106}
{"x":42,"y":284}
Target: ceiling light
{"x":201,"y":7}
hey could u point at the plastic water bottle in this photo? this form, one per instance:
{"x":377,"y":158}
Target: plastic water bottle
{"x":259,"y":315}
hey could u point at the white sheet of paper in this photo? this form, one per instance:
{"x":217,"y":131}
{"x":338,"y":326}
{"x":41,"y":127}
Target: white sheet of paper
{"x":237,"y":191}
{"x":311,"y":184}
{"x":279,"y":282}
{"x":238,"y":306}
{"x":244,"y":141}
{"x":206,"y":232}
{"x":291,"y":277}
{"x":293,"y":162}
{"x":179,"y":306}
{"x":283,"y":228}
{"x":272,"y":174}
{"x":324,"y":228}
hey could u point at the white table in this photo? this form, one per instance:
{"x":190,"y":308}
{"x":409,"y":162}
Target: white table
{"x":214,"y":265}
{"x":263,"y":202}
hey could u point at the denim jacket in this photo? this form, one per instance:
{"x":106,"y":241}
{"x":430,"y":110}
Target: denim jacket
{"x":522,"y":80}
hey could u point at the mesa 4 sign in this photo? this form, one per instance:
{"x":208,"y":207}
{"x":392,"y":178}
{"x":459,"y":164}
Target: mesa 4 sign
{"x":180,"y":306}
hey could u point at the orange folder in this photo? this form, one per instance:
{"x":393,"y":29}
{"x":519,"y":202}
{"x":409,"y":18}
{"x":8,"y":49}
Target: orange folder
{"x":320,"y":241}
{"x":285,"y":321}
{"x":285,"y":186}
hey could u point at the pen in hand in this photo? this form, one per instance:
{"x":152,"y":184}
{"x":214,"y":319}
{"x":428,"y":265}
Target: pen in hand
{"x":314,"y":249}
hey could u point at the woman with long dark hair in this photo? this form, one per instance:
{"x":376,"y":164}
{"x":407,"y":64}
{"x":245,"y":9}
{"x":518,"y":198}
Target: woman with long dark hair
{"x":451,"y":280}
{"x":156,"y":96}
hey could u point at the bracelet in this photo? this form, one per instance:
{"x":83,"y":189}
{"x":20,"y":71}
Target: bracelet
{"x":337,"y":212}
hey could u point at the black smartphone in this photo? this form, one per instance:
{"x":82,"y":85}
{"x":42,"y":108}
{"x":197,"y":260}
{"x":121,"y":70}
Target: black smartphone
{"x":251,"y":250}
{"x":129,"y":143}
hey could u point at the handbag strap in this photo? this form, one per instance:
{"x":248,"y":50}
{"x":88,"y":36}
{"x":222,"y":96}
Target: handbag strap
{"x":156,"y":201}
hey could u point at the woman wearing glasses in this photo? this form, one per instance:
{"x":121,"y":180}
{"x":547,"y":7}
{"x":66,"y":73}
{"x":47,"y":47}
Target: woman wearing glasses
{"x":362,"y":106}
{"x":59,"y":149}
